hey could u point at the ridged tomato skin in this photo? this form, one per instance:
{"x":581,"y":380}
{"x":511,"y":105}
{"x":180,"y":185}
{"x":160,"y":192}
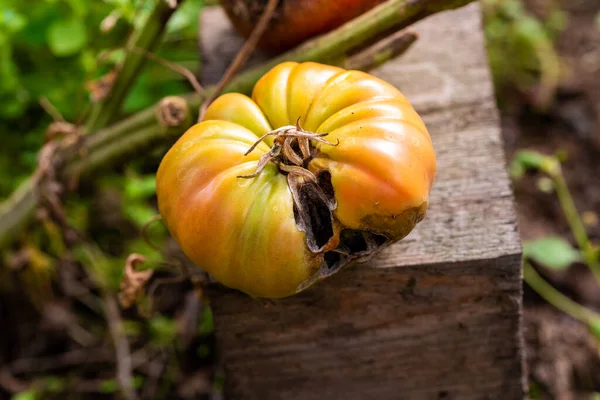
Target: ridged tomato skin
{"x":295,"y":20}
{"x":384,"y":166}
{"x":243,"y":231}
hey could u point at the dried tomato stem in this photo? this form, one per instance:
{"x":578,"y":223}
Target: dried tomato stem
{"x":299,"y":171}
{"x":304,"y":145}
{"x":283,"y":154}
{"x":264,"y":160}
{"x":263,"y":137}
{"x":290,"y":153}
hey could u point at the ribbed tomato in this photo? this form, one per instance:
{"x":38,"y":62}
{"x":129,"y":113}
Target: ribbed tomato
{"x":320,"y":168}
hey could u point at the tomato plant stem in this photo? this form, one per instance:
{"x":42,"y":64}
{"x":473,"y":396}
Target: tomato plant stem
{"x":333,"y":47}
{"x":147,"y":38}
{"x":567,"y":204}
{"x":556,"y":298}
{"x":381,"y":52}
{"x":242,"y":56}
{"x":105,"y":145}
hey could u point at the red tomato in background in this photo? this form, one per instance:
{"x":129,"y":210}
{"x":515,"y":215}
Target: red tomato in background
{"x":295,"y":20}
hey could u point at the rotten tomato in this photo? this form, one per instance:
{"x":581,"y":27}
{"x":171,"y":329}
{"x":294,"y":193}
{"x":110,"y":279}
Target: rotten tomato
{"x":322,"y":167}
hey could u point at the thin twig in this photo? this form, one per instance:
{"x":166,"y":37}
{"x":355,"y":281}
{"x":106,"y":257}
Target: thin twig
{"x":64,"y":360}
{"x":50,"y":109}
{"x":567,"y":204}
{"x":148,"y":36}
{"x":9,"y":383}
{"x":124,"y":366}
{"x":382,"y":51}
{"x":243,"y":55}
{"x":556,"y":298}
{"x":155,"y":371}
{"x":145,"y":229}
{"x":156,"y":284}
{"x":186,"y":73}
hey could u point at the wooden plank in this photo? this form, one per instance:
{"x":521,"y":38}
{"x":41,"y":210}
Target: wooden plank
{"x":440,"y":331}
{"x":434,"y":316}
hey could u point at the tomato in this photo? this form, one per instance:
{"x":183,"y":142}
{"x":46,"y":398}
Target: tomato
{"x":321,"y":168}
{"x":295,"y":20}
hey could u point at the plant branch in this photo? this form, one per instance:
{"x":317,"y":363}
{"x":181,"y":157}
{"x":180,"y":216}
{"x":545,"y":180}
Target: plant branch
{"x":556,"y":298}
{"x":147,"y":38}
{"x":186,"y":73}
{"x":123,"y":353}
{"x":354,"y":35}
{"x":382,"y":51}
{"x":143,"y":128}
{"x":50,"y":109}
{"x":554,"y":170}
{"x":242,"y":56}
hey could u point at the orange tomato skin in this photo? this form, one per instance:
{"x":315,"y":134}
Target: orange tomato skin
{"x":243,"y":231}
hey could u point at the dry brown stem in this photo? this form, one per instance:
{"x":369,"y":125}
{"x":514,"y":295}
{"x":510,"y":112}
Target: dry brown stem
{"x":186,"y":73}
{"x":122,"y":351}
{"x":242,"y":56}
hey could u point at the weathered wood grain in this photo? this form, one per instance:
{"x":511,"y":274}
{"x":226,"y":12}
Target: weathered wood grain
{"x":436,"y":316}
{"x":439,"y":331}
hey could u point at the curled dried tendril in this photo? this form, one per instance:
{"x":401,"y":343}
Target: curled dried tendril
{"x":292,"y":147}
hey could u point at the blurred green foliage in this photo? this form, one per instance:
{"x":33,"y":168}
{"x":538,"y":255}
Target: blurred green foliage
{"x":30,"y":394}
{"x":551,"y":252}
{"x":521,"y":48}
{"x":55,"y":48}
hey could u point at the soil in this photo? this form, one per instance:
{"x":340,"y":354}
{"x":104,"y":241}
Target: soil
{"x":561,"y":353}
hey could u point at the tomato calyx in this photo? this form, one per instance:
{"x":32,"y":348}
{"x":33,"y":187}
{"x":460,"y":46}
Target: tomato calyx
{"x":291,"y":151}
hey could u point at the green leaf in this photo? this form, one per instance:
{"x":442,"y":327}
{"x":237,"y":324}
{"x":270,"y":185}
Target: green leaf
{"x":206,"y":326}
{"x":139,"y":212}
{"x":66,"y":37}
{"x":530,"y":159}
{"x":26,"y":395}
{"x":132,"y":328}
{"x":112,"y":386}
{"x":138,"y":381}
{"x":557,"y":21}
{"x":12,"y":20}
{"x":140,"y":187}
{"x":54,"y":384}
{"x":163,"y":330}
{"x":551,"y":252}
{"x":109,"y":386}
{"x":79,"y":7}
{"x":525,"y":160}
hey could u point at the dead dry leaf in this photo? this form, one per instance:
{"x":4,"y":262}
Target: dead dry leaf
{"x":134,"y":282}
